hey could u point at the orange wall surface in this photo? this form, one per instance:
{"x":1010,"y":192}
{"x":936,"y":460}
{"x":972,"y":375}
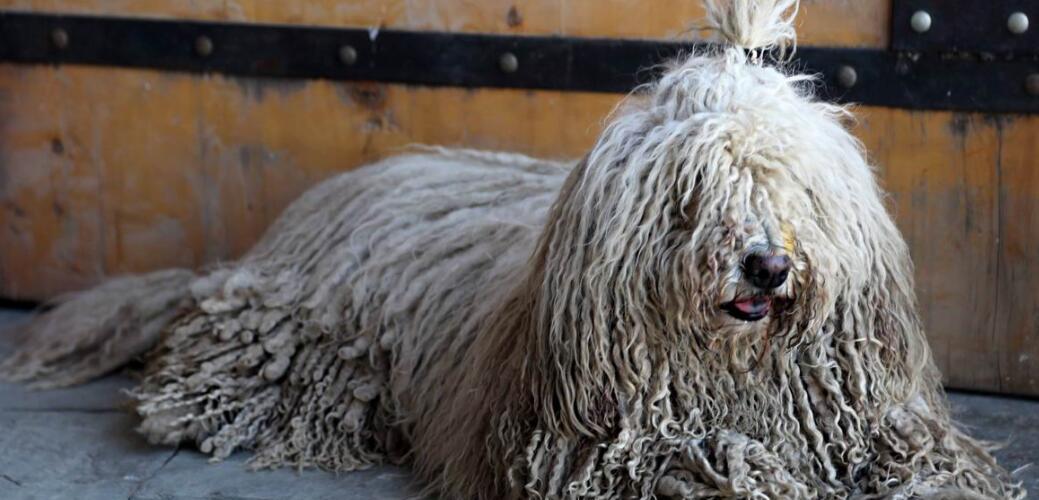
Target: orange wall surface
{"x":106,"y":171}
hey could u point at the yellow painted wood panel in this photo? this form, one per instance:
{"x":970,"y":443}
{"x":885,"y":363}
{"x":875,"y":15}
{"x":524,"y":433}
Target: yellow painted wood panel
{"x":110,"y":171}
{"x":1016,"y":327}
{"x":820,"y":22}
{"x":107,"y":171}
{"x":966,"y":197}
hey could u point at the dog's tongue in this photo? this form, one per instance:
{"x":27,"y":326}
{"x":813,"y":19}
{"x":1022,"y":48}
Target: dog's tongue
{"x":752,"y":306}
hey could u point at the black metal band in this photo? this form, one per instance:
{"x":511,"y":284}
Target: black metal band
{"x":957,"y":26}
{"x":867,"y":76}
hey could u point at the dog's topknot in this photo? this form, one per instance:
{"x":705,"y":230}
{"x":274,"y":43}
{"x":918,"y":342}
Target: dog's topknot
{"x":754,"y":24}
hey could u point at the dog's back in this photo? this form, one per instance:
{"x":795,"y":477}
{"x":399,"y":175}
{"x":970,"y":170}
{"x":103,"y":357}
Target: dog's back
{"x":346,"y":308}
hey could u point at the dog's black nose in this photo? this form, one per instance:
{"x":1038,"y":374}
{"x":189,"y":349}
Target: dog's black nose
{"x":766,"y":271}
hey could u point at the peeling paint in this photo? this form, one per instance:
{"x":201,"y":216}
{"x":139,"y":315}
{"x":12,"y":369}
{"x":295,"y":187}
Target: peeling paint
{"x":513,"y":18}
{"x":258,"y":89}
{"x":960,"y":125}
{"x":57,"y":147}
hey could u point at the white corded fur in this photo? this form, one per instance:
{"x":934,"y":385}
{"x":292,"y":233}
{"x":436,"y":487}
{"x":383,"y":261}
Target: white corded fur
{"x":754,"y":24}
{"x":433,"y":309}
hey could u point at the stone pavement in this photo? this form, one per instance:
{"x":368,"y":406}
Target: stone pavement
{"x":79,"y":444}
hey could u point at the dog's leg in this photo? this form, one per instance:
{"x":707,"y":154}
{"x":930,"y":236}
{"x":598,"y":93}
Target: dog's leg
{"x":722,"y":464}
{"x":248,"y":370}
{"x":728,"y":464}
{"x":920,"y":454}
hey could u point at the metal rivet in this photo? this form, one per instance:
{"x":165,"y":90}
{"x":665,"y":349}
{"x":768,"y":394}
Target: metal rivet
{"x":847,"y":76}
{"x":347,"y":55}
{"x":920,"y":22}
{"x":203,"y":46}
{"x":60,"y":38}
{"x":1032,"y":84}
{"x":1017,"y":23}
{"x":508,"y":62}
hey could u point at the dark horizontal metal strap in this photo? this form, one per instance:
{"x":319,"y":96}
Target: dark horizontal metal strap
{"x":976,"y":26}
{"x":867,"y":76}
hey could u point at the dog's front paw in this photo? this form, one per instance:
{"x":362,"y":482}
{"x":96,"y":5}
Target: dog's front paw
{"x":729,"y":464}
{"x":952,"y":494}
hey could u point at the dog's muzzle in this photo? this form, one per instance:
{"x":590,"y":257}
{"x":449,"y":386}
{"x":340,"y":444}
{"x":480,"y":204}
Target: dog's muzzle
{"x":765,"y":272}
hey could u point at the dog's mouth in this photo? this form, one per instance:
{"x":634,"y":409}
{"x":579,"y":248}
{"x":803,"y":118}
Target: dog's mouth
{"x":751,"y":308}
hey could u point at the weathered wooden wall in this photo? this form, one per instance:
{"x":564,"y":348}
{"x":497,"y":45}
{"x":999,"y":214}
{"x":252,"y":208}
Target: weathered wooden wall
{"x":966,"y":196}
{"x":822,"y":22}
{"x":107,"y":171}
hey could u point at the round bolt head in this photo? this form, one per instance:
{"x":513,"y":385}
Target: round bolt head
{"x":1017,"y":23}
{"x":508,"y":62}
{"x":1032,"y":84}
{"x":847,"y":76}
{"x":203,"y":46}
{"x":60,"y":38}
{"x":920,"y":22}
{"x":347,"y":55}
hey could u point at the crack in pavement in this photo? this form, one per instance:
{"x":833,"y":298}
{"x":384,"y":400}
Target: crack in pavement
{"x":137,"y":489}
{"x":11,"y":480}
{"x":62,"y":410}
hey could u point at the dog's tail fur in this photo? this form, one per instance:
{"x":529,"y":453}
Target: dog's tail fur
{"x":90,"y":333}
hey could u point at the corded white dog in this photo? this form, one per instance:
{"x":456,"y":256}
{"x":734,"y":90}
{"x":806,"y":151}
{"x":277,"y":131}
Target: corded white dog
{"x":713,"y":303}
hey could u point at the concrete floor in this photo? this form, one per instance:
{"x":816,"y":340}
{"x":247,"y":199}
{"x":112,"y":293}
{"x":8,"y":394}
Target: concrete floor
{"x":79,"y":444}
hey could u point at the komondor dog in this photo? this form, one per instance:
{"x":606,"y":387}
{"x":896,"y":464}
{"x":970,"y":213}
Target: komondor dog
{"x":713,"y":303}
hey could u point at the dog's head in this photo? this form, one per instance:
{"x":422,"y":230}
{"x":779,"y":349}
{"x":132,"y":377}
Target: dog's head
{"x":724,"y":205}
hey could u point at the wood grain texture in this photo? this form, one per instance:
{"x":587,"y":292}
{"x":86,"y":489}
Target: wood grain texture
{"x":1016,"y":327}
{"x":965,"y":196}
{"x":108,"y":171}
{"x":820,"y":22}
